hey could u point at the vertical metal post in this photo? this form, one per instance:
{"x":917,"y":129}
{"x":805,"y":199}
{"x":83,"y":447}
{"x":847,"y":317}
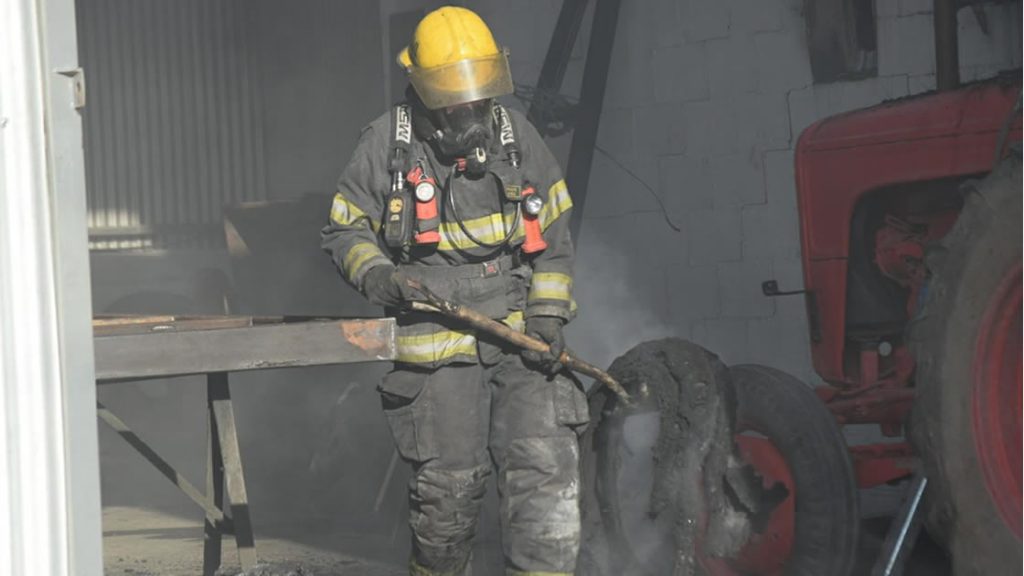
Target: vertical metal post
{"x":220,"y":399}
{"x":563,"y":39}
{"x":595,"y":79}
{"x":947,"y":56}
{"x":49,"y":459}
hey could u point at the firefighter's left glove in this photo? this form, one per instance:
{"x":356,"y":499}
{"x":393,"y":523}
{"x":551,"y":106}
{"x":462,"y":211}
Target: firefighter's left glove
{"x":382,"y":286}
{"x":549,"y":330}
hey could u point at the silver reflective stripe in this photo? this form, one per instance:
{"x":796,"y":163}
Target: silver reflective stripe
{"x":551,"y":286}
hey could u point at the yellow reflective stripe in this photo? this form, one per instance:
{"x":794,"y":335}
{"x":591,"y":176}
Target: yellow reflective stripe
{"x":436,"y":346}
{"x":557,"y":204}
{"x":515,"y":321}
{"x":491,"y":228}
{"x":550,"y":286}
{"x":346,"y":213}
{"x":358,"y":256}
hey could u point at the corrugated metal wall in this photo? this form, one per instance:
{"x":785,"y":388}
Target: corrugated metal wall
{"x":173,"y":125}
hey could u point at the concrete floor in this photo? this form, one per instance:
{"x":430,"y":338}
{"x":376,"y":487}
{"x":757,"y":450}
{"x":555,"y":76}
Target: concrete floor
{"x":326,"y":528}
{"x":144,"y":542}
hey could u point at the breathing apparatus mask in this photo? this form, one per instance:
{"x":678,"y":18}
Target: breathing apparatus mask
{"x":466,"y":131}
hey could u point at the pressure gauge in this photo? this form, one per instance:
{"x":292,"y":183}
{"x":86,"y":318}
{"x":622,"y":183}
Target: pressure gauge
{"x":425,"y":191}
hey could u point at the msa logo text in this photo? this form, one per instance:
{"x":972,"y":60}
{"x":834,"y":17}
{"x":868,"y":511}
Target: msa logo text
{"x":403,"y":127}
{"x":506,"y":134}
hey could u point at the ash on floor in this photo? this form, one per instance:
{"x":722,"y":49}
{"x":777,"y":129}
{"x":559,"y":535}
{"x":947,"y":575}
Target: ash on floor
{"x":144,"y":542}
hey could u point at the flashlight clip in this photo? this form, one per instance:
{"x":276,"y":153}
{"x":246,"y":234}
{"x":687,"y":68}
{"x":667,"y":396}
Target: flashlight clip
{"x":534,"y":235}
{"x":427,"y":216}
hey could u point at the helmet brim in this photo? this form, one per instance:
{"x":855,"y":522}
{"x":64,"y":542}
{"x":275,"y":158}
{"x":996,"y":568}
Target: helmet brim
{"x":463,"y":81}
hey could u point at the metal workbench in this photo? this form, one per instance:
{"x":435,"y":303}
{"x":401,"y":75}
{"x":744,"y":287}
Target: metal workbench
{"x":138,"y":348}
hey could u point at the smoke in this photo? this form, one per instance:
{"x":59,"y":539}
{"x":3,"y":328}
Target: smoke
{"x":316,"y":448}
{"x":622,"y":295}
{"x":623,"y":300}
{"x":649,"y":538}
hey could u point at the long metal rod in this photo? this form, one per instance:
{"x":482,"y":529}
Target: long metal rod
{"x":947,"y":57}
{"x":595,"y":80}
{"x":383,"y":490}
{"x":899,"y":542}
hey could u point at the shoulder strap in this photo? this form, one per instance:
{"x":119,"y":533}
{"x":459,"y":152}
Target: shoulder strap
{"x":507,"y":134}
{"x":401,"y":138}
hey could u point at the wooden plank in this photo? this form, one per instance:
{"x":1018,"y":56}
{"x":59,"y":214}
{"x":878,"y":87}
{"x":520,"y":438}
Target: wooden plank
{"x":224,"y":415}
{"x":112,"y":326}
{"x":102,"y":321}
{"x":162,"y":354}
{"x":214,"y":487}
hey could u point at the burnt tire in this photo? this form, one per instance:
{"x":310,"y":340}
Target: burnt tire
{"x":772,"y":405}
{"x":969,"y":270}
{"x":827,"y":519}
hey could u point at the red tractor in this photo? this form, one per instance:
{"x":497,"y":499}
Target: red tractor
{"x":910,"y":219}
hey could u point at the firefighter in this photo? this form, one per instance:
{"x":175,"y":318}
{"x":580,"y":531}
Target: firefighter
{"x":456,"y":191}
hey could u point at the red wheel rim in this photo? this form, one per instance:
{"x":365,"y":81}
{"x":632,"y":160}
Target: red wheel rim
{"x":766,"y":553}
{"x":996,"y":398}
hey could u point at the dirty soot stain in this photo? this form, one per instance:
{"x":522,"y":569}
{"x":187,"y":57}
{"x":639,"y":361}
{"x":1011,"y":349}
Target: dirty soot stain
{"x":367,"y":335}
{"x":707,"y":498}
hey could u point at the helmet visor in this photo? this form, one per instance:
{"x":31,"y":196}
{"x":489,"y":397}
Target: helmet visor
{"x":463,"y":81}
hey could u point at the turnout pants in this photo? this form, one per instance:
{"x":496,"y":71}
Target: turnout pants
{"x":450,"y":423}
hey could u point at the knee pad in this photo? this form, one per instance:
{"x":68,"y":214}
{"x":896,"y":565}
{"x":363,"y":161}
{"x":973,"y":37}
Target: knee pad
{"x":444,"y":506}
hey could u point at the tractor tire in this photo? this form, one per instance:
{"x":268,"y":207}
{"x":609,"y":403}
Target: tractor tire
{"x":826,"y":529}
{"x":787,"y":435}
{"x":966,"y":341}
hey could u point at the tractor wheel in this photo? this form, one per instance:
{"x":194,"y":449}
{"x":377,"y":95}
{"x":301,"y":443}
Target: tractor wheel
{"x":966,"y":341}
{"x":787,"y":435}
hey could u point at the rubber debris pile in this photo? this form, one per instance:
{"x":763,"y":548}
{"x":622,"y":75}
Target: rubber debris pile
{"x":707,"y":501}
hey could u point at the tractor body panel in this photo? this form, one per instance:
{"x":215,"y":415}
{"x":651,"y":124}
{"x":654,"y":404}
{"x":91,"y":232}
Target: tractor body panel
{"x":841,"y":159}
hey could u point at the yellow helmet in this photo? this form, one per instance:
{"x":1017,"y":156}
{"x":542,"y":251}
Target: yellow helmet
{"x":453,"y":59}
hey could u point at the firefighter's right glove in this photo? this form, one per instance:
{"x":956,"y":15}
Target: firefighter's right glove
{"x":549,"y":330}
{"x":382,"y":286}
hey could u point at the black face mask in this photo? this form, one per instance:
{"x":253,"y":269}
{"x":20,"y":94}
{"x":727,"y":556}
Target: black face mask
{"x":466,"y":132}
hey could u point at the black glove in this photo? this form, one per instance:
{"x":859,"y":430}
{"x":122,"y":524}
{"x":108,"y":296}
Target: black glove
{"x":548,"y":329}
{"x":381,"y":286}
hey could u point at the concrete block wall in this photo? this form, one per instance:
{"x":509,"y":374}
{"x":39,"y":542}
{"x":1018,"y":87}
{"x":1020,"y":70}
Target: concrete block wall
{"x":706,"y":99}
